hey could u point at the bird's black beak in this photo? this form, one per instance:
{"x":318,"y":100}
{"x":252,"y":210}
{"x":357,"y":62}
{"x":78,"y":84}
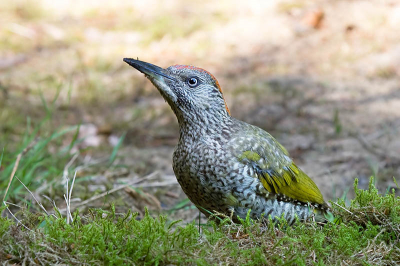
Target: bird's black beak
{"x":148,"y":69}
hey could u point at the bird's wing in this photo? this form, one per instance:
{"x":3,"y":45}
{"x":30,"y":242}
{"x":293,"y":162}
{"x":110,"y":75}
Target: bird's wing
{"x":270,"y":163}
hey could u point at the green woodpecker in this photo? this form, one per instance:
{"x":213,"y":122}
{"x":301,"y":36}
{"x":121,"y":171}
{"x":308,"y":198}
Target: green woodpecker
{"x":226,"y":165}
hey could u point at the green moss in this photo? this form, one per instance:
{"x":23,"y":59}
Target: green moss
{"x":5,"y":223}
{"x":107,"y":238}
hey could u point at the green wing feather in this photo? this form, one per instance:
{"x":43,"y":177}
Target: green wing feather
{"x":277,"y":172}
{"x":293,"y":183}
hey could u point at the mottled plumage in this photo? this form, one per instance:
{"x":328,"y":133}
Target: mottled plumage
{"x":224,"y":164}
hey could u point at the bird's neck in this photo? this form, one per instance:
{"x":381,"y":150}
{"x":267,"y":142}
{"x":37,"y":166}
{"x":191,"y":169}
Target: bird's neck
{"x":195,"y":126}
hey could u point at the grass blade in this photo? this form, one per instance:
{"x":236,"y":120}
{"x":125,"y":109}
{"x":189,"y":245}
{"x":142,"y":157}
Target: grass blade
{"x":71,"y":145}
{"x":1,"y":158}
{"x":116,"y":148}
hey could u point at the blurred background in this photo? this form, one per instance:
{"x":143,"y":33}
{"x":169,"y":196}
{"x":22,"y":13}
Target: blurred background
{"x":323,"y":77}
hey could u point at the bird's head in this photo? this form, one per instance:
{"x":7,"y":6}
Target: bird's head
{"x":191,"y":92}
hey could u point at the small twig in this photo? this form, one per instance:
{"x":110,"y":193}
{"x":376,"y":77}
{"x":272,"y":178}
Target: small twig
{"x":171,"y":194}
{"x":16,"y":166}
{"x":113,"y":190}
{"x":33,"y":196}
{"x":69,"y":216}
{"x":18,"y":221}
{"x":343,"y":208}
{"x":53,"y":203}
{"x":160,"y":184}
{"x":376,"y":237}
{"x":237,"y":234}
{"x":68,"y":209}
{"x":9,"y":203}
{"x":33,"y":143}
{"x":70,"y":191}
{"x":144,"y":196}
{"x":68,"y":199}
{"x":67,"y":166}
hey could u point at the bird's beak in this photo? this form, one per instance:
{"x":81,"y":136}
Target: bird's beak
{"x":148,"y":69}
{"x":158,"y":76}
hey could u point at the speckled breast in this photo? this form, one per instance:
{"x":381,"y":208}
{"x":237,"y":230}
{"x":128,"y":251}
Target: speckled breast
{"x":201,"y":171}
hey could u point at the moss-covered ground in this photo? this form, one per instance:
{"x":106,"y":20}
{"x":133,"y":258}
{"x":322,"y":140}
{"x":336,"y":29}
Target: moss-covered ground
{"x":368,"y":235}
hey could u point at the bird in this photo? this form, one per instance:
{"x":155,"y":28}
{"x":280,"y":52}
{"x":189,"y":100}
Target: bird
{"x":224,"y":165}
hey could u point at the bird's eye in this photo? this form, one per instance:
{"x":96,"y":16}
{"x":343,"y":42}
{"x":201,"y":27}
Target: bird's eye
{"x":193,"y":82}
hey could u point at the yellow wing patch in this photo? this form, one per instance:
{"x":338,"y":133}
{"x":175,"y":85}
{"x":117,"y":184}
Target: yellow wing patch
{"x":289,"y":181}
{"x":250,"y":155}
{"x":292,"y":183}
